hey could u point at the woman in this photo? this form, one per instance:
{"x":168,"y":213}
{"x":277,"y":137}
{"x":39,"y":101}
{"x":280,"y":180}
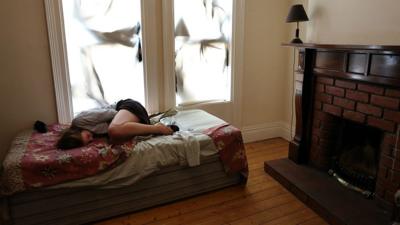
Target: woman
{"x":128,"y":119}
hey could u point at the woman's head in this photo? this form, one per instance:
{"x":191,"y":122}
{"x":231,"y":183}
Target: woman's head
{"x":74,"y":138}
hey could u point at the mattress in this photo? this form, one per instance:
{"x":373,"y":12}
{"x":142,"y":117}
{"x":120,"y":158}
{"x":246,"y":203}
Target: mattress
{"x":71,"y":206}
{"x":34,"y":162}
{"x":159,"y":152}
{"x":222,"y":163}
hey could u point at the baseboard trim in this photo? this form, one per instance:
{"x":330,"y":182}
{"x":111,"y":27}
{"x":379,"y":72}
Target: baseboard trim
{"x":266,"y":131}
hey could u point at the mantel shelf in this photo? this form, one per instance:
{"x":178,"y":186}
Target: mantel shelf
{"x":344,"y":47}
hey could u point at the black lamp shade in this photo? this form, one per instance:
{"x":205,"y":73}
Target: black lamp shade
{"x":297,"y":14}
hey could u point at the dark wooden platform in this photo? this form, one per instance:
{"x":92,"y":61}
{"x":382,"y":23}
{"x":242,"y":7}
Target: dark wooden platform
{"x":335,"y":203}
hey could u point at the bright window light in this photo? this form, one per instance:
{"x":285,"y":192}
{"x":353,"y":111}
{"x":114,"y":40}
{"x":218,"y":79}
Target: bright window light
{"x":202,"y":50}
{"x":104,"y":51}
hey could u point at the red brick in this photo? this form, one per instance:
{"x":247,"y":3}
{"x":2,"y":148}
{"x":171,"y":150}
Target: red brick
{"x":387,"y":102}
{"x":386,"y":161}
{"x":345,"y":103}
{"x":319,"y":115}
{"x":332,"y":109}
{"x":315,"y":139}
{"x":356,"y":95}
{"x":389,"y":196}
{"x":317,"y":105}
{"x":392,"y":93}
{"x":320,"y":88}
{"x":345,"y":84}
{"x":324,"y":98}
{"x":335,"y":91}
{"x":383,"y":172}
{"x":316,"y":123}
{"x":380,"y":189}
{"x":369,"y":109}
{"x":325,"y":80}
{"x":329,"y":124}
{"x":313,"y":151}
{"x":322,"y":151}
{"x":387,"y":150}
{"x":389,"y":138}
{"x":394,"y":177}
{"x":371,"y":89}
{"x":354,"y":116}
{"x":382,"y":124}
{"x":383,"y":181}
{"x":325,"y":117}
{"x":395,"y":154}
{"x":322,"y":133}
{"x":392,"y":115}
{"x":390,"y":186}
{"x":326,"y":143}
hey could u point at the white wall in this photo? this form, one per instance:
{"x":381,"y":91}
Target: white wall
{"x":265,"y":85}
{"x":369,"y":22}
{"x":26,"y":84}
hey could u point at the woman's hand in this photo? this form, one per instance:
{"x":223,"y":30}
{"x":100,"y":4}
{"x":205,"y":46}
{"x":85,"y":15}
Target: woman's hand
{"x":162,"y":129}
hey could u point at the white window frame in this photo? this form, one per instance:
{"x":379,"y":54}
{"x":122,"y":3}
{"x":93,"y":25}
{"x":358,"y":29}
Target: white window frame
{"x":59,"y":59}
{"x":236,"y":58}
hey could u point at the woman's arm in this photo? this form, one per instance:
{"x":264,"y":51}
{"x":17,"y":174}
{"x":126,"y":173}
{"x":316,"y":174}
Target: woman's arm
{"x":126,"y":125}
{"x":122,"y":132}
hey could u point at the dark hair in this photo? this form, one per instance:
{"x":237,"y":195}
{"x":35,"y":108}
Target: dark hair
{"x":70,"y":138}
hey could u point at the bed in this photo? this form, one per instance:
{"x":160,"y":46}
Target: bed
{"x":120,"y":187}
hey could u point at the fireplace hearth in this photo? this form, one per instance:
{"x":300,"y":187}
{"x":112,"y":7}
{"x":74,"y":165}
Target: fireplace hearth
{"x":347,"y":121}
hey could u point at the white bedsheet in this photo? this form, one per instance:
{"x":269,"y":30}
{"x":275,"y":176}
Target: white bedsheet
{"x":184,"y":147}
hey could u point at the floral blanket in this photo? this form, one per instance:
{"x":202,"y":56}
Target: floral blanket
{"x":33,"y":160}
{"x":229,"y":143}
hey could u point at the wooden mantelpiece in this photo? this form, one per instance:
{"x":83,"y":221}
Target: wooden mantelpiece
{"x":336,"y":83}
{"x":389,"y":48}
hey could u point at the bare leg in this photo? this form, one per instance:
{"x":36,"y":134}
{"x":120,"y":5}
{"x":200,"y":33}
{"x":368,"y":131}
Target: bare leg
{"x":126,"y":125}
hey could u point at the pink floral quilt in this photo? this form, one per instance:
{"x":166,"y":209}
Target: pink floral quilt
{"x":229,"y":143}
{"x":34,"y":161}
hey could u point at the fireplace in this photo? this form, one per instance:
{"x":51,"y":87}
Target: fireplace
{"x":372,"y":110}
{"x":347,"y":122}
{"x":355,"y":159}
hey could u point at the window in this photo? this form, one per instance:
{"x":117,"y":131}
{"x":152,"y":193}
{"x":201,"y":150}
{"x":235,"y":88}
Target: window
{"x":110,"y":45}
{"x":103,"y":40}
{"x":202,"y":48}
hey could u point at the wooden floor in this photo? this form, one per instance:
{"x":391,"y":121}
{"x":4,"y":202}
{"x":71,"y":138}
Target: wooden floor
{"x":262,"y":201}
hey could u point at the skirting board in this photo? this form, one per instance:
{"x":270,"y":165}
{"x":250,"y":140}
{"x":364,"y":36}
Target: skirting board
{"x":266,"y":131}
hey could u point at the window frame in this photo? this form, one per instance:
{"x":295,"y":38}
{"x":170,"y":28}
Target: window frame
{"x":236,"y":56}
{"x":59,"y":59}
{"x":154,"y":88}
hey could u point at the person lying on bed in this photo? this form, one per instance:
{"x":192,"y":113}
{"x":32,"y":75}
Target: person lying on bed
{"x":128,"y":119}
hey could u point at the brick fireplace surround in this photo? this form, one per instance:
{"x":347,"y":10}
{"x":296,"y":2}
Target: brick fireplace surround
{"x":335,"y":82}
{"x":371,"y":105}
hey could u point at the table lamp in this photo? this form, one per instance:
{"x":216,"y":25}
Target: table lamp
{"x":297,"y":14}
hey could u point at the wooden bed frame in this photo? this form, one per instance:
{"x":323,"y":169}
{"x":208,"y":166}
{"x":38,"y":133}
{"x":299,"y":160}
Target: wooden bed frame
{"x":89,"y":204}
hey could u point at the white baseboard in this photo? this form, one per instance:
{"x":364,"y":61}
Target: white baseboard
{"x":266,"y":131}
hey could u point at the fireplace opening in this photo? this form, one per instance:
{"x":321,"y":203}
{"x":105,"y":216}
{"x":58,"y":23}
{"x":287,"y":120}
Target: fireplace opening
{"x":356,"y":159}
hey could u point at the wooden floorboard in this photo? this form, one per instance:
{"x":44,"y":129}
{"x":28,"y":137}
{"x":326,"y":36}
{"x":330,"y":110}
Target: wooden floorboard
{"x":262,"y":201}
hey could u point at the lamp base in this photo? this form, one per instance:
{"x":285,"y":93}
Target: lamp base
{"x":296,"y":41}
